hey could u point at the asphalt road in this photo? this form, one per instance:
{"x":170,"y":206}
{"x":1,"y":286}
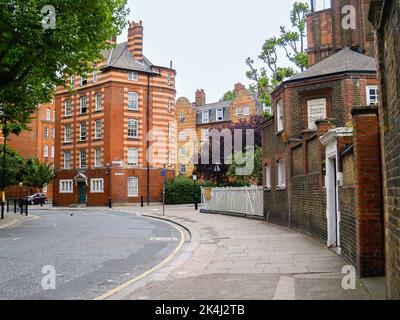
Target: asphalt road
{"x":92,"y":252}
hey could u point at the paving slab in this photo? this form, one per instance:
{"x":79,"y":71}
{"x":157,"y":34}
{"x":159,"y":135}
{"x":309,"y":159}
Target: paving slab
{"x":239,"y":258}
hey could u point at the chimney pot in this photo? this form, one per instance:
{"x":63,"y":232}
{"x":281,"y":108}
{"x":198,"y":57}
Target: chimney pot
{"x":200,"y":98}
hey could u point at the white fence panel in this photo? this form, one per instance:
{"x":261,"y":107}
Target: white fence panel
{"x":248,"y":201}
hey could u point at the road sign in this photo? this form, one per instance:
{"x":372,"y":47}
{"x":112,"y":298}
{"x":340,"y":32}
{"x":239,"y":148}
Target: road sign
{"x":163,"y":173}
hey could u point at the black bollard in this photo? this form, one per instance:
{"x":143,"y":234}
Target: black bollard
{"x":21,"y":205}
{"x":8,"y":205}
{"x":142,"y":202}
{"x":2,"y":210}
{"x":26,"y":207}
{"x":15,"y":206}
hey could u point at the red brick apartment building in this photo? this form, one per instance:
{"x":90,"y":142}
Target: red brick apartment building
{"x":196,"y":120}
{"x":385,"y":16}
{"x":321,"y":148}
{"x":102,"y":129}
{"x":38,"y":142}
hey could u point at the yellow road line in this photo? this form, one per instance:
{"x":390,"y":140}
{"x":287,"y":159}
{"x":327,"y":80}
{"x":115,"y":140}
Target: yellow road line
{"x":148,"y":272}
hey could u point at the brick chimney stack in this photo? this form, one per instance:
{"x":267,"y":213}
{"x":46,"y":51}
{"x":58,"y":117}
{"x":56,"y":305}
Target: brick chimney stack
{"x":239,"y":87}
{"x":135,"y":40}
{"x":200,"y":98}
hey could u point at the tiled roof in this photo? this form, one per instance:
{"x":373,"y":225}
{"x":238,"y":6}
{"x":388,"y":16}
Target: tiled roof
{"x":120,"y":57}
{"x":212,"y":108}
{"x":345,"y":60}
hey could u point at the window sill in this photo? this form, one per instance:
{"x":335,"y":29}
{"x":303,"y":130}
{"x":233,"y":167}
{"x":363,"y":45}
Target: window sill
{"x":133,"y":110}
{"x":267,"y":189}
{"x":280,"y":188}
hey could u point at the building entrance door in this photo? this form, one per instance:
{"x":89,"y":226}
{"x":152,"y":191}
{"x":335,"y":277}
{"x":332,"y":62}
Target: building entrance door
{"x":81,"y":193}
{"x":333,"y":213}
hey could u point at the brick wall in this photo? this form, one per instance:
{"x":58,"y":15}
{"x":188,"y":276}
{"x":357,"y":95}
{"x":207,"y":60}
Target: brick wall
{"x":388,"y":55}
{"x":347,"y":195}
{"x":276,"y":205}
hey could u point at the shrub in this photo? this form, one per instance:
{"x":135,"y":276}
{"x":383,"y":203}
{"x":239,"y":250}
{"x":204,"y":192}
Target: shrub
{"x":182,"y":190}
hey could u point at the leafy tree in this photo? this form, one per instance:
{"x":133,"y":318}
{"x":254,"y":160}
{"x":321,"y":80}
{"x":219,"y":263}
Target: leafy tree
{"x":37,"y":174}
{"x":267,"y":78}
{"x":14,"y":163}
{"x":256,"y":177}
{"x":34,"y":59}
{"x":207,"y":171}
{"x":228,"y":96}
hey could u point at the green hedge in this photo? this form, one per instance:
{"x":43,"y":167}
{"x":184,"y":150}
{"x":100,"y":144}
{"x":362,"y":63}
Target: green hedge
{"x":180,"y":190}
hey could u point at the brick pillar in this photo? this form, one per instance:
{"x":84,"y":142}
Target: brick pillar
{"x":369,"y":194}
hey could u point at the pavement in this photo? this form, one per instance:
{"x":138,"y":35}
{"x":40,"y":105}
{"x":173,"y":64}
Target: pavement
{"x":10,"y":220}
{"x":238,"y":258}
{"x":91,"y":252}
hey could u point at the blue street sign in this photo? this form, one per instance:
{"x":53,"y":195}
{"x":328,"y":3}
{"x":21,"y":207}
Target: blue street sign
{"x":163,"y":173}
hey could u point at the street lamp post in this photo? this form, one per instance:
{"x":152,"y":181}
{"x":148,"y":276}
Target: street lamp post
{"x":20,"y":190}
{"x":108,"y":166}
{"x":196,"y":206}
{"x":3,"y":179}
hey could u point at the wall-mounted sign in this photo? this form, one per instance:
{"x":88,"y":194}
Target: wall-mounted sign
{"x":316,"y":110}
{"x":120,"y":174}
{"x":118,"y":163}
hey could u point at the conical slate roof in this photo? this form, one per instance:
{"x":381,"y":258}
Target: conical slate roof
{"x":345,"y":60}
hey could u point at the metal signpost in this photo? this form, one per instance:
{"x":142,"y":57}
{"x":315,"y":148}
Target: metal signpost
{"x":164,"y":175}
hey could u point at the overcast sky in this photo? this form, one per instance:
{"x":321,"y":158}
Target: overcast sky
{"x":207,"y":40}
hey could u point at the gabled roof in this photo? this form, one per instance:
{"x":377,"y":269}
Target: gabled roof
{"x":120,"y":57}
{"x":345,"y":60}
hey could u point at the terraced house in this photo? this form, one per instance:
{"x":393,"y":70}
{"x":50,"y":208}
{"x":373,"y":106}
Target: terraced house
{"x":103,"y":129}
{"x":196,"y":120}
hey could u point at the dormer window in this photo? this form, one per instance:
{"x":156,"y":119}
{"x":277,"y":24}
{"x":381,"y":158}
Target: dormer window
{"x":220,"y":114}
{"x":205,"y":116}
{"x":319,"y":5}
{"x":83,"y":80}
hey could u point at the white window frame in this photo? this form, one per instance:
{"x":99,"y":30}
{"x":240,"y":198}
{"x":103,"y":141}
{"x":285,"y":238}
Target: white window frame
{"x":98,"y":129}
{"x":182,"y":117}
{"x":133,"y":76}
{"x":68,"y":108}
{"x":281,"y":166}
{"x":81,"y":165}
{"x":133,"y":157}
{"x":97,"y":158}
{"x":84,"y":79}
{"x":97,"y":185}
{"x":53,"y":133}
{"x":48,"y":115}
{"x":81,"y":132}
{"x":46,"y":151}
{"x":268,"y":184}
{"x":182,"y":151}
{"x":83,"y":104}
{"x":66,"y":186}
{"x":239,"y":112}
{"x":133,"y":104}
{"x":183,"y":169}
{"x":99,"y":101}
{"x":67,"y":167}
{"x":52,"y":152}
{"x":72,"y":80}
{"x":45,"y":188}
{"x":131,"y":121}
{"x":134,"y":187}
{"x":205,"y":116}
{"x":219,"y":114}
{"x":246,"y":111}
{"x":368,"y":88}
{"x":95,"y":73}
{"x":46,"y":132}
{"x":67,"y":137}
{"x":279,"y":117}
{"x":182,"y":135}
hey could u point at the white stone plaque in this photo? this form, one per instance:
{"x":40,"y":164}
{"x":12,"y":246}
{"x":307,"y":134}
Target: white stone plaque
{"x":316,"y":110}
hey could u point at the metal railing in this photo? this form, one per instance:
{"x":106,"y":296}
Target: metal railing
{"x":247,"y":201}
